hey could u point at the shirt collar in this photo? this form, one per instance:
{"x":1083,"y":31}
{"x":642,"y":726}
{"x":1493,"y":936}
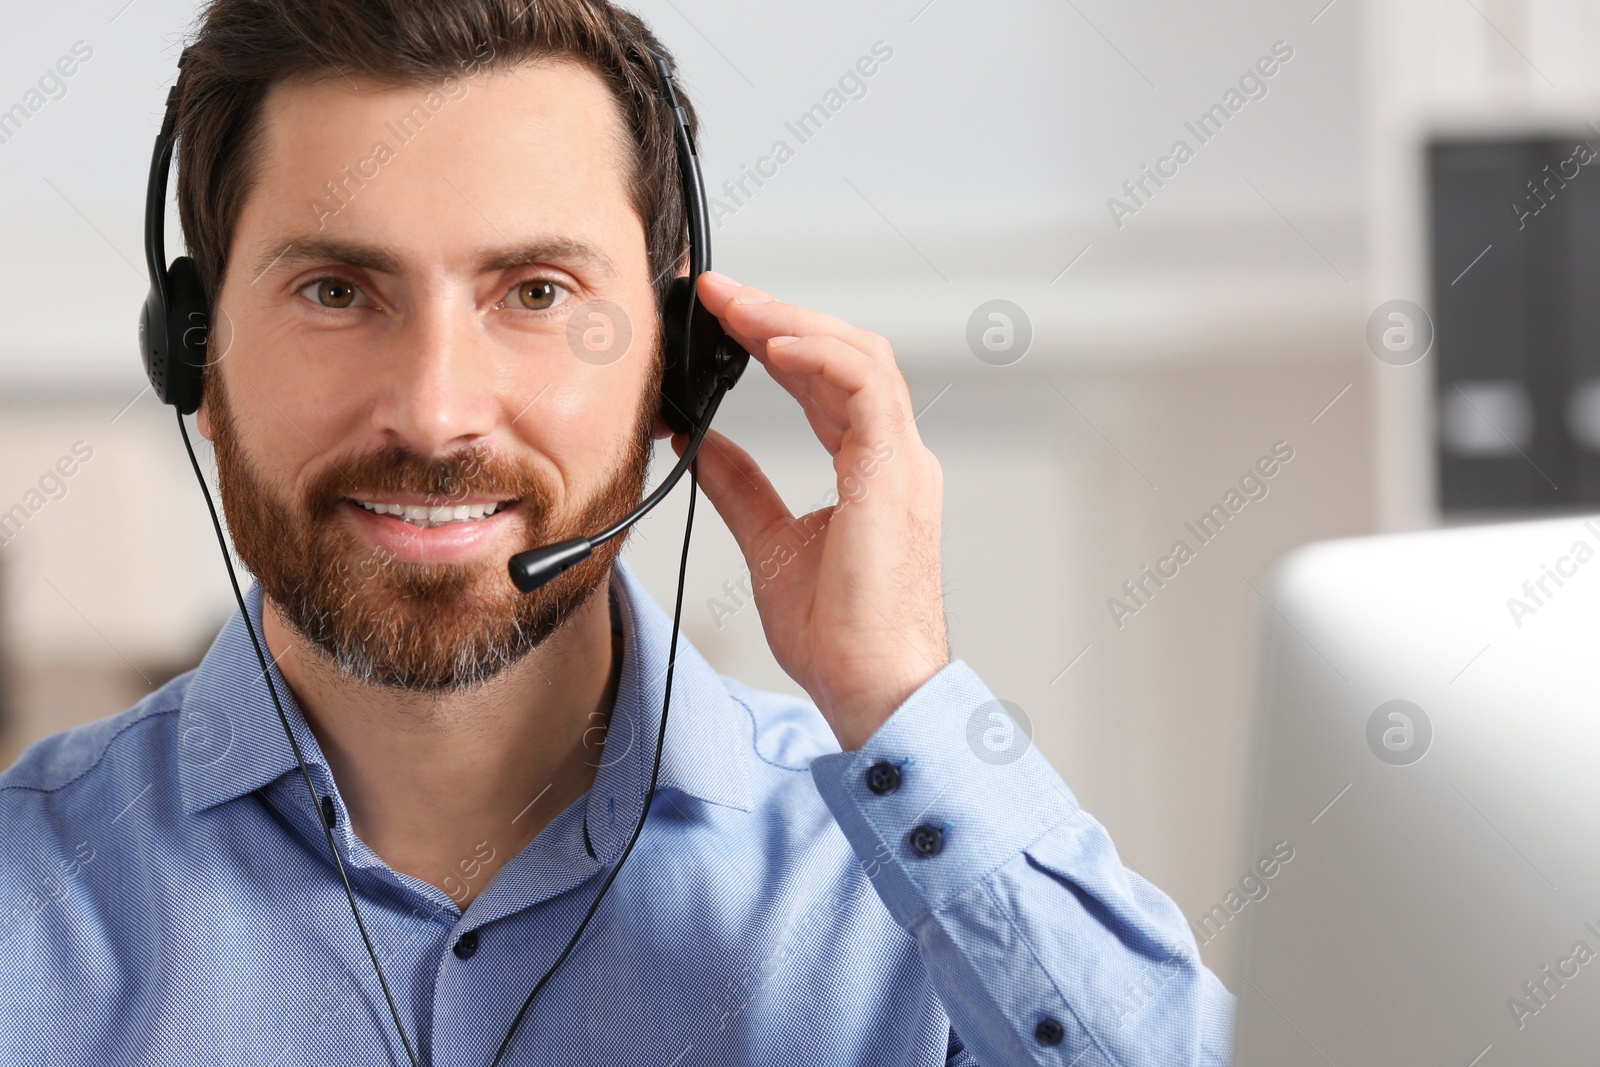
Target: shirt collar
{"x":233,"y":742}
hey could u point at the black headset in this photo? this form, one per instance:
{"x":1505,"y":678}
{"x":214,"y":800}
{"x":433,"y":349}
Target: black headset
{"x":701,"y":364}
{"x":176,"y":317}
{"x":175,"y":322}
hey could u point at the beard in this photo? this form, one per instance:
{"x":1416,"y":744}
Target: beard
{"x":426,"y":627}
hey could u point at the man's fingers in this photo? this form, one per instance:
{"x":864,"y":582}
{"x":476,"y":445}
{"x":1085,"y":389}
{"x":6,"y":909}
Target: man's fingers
{"x":844,"y":377}
{"x":738,"y":489}
{"x":717,"y":289}
{"x":842,"y":387}
{"x":752,"y":323}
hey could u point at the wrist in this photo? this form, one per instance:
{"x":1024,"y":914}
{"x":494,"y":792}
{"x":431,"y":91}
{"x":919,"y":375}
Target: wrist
{"x":857,"y":715}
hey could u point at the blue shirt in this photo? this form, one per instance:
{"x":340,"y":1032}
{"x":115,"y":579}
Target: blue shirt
{"x":166,"y":897}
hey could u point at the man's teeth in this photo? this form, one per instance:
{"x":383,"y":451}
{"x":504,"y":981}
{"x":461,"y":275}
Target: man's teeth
{"x":428,"y":517}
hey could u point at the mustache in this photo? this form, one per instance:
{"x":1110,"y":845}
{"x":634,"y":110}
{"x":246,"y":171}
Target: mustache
{"x":444,"y":480}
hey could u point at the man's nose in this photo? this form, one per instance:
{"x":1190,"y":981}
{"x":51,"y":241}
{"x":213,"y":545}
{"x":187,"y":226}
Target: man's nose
{"x":439,"y":389}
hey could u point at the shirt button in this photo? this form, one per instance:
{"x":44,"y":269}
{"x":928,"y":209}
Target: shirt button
{"x":1049,"y":1031}
{"x":883,"y":778}
{"x":927,"y":840}
{"x":330,"y":813}
{"x":466,"y":945}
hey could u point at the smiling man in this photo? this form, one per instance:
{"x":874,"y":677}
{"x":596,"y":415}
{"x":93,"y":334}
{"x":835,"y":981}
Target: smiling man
{"x":399,"y":208}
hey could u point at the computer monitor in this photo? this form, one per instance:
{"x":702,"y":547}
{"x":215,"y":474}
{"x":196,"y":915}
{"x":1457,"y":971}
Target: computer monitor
{"x":1429,"y":757}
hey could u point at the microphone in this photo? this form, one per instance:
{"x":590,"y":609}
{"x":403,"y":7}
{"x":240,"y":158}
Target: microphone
{"x":533,"y":568}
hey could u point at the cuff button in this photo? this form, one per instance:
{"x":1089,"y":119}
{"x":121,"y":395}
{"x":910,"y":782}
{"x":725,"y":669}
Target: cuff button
{"x":927,"y":840}
{"x":1049,"y":1031}
{"x":883,"y":778}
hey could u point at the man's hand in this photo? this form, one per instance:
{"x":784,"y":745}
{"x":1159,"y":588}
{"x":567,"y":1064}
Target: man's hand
{"x":850,"y":594}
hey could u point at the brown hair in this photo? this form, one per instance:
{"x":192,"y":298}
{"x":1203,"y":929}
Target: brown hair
{"x":244,"y":47}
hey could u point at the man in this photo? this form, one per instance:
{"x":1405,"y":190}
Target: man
{"x":397,"y":207}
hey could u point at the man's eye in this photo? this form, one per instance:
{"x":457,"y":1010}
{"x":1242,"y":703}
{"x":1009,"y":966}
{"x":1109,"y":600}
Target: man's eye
{"x":536,"y":294}
{"x":332,"y":293}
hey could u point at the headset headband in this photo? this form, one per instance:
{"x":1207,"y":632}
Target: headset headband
{"x":699,"y":354}
{"x":694,"y":190}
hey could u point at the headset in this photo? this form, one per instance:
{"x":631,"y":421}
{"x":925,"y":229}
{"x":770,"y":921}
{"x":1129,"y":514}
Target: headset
{"x":701,"y":362}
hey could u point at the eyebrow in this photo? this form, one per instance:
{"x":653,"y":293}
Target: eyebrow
{"x":311,"y":249}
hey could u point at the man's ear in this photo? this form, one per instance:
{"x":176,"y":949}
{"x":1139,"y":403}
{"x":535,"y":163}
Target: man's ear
{"x":202,"y":415}
{"x":213,"y":373}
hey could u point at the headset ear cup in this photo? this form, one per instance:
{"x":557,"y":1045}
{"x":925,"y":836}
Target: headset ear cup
{"x":677,"y":400}
{"x":188,"y":331}
{"x":153,"y":343}
{"x":699,"y":353}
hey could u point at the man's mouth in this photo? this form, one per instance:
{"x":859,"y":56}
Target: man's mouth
{"x":427,"y":517}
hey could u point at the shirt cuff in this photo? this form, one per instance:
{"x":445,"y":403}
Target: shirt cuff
{"x":948,"y":790}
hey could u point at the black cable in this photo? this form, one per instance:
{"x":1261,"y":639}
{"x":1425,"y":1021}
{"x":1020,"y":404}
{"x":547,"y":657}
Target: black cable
{"x":316,"y":800}
{"x":299,"y":757}
{"x":671,"y":480}
{"x":650,"y":795}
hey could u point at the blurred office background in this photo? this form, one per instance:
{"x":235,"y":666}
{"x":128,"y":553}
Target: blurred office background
{"x":1218,"y":314}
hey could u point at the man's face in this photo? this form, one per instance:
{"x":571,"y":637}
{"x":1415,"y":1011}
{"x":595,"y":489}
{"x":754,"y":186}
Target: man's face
{"x":395,"y":327}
